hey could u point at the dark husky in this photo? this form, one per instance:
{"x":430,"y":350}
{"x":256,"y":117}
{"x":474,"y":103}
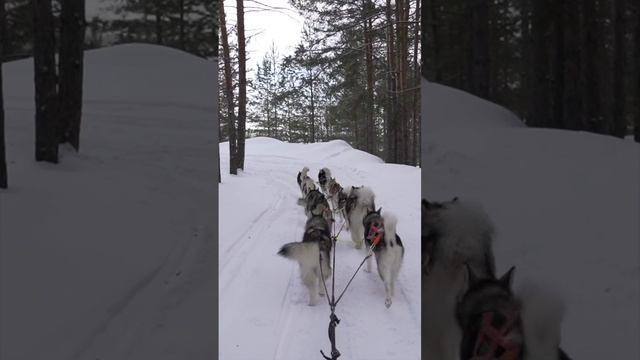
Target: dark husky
{"x":317,"y":204}
{"x":453,"y":233}
{"x":315,"y":249}
{"x":497,"y":325}
{"x":323,"y":177}
{"x":388,"y":251}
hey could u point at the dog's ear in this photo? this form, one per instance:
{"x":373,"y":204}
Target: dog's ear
{"x":507,"y":279}
{"x":454,"y":199}
{"x":472,"y":278}
{"x":379,"y":210}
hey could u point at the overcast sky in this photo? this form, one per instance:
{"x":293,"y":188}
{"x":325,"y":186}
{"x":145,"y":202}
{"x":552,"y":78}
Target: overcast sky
{"x":282,"y":27}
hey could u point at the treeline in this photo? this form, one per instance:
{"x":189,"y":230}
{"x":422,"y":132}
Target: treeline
{"x":189,"y":25}
{"x":58,"y":84}
{"x":569,"y":64}
{"x":354,"y":75}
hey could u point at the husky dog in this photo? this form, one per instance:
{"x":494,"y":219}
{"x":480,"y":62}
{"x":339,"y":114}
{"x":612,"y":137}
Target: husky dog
{"x":333,"y":193}
{"x":302,"y":175}
{"x":323,"y":176}
{"x":357,"y":202}
{"x":454,"y":233}
{"x":389,"y":250}
{"x":317,"y":204}
{"x":315,"y":249}
{"x":496,"y":324}
{"x":307,"y":186}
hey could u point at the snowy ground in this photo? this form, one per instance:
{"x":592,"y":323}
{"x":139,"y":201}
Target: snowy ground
{"x":263,"y":303}
{"x":110,"y":254}
{"x":566,"y":207}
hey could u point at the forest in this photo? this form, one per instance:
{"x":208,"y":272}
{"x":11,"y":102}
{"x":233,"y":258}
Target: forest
{"x":354,"y":75}
{"x":56,"y":33}
{"x":570,"y":64}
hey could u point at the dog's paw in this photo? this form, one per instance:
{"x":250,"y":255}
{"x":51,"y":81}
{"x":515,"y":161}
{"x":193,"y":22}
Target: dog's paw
{"x":387,"y":303}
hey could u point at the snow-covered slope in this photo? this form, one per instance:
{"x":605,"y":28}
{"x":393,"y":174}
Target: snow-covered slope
{"x":263,"y":303}
{"x":110,"y":253}
{"x":449,"y":108}
{"x":566,"y":207}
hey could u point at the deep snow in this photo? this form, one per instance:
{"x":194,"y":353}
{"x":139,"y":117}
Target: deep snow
{"x":110,"y":254}
{"x":565,"y":204}
{"x":263,"y":303}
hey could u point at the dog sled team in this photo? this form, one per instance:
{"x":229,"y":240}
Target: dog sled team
{"x":468,"y":312}
{"x":355,"y":206}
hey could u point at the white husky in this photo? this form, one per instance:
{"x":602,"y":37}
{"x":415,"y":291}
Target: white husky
{"x":388,"y":251}
{"x":357,"y":203}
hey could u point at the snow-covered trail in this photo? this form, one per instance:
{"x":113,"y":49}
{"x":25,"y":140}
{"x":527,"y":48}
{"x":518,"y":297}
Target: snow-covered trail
{"x":263,"y":305}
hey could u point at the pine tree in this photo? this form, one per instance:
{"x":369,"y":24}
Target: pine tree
{"x":4,"y":183}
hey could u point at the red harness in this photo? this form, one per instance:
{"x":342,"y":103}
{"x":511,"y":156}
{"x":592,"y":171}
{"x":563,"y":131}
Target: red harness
{"x":496,"y":338}
{"x":375,"y":234}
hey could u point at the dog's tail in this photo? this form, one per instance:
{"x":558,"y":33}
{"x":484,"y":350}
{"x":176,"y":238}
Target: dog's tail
{"x":390,"y":223}
{"x":306,"y":252}
{"x":542,"y":313}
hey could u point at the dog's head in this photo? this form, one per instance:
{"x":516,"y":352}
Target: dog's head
{"x":486,"y":302}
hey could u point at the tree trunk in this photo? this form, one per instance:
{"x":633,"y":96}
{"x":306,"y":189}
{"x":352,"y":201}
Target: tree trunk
{"x":541,"y":29}
{"x":479,"y":69}
{"x":313,"y":108}
{"x":571,"y":67}
{"x":415,"y":150}
{"x":619,"y":119}
{"x":226,"y":57}
{"x":391,"y":113}
{"x":636,"y":90}
{"x":558,"y":65}
{"x":45,"y":82}
{"x":4,"y":182}
{"x":402,"y":62}
{"x":242,"y":84}
{"x":435,"y":41}
{"x":182,"y":36}
{"x":71,"y":71}
{"x":590,"y":78}
{"x":370,"y":123}
{"x":525,"y":62}
{"x":158,"y":15}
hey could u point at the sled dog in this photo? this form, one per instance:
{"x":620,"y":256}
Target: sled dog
{"x":454,"y":233}
{"x":313,"y":250}
{"x":323,"y":177}
{"x":317,"y":204}
{"x":497,"y":324}
{"x":357,"y":202}
{"x":388,"y":251}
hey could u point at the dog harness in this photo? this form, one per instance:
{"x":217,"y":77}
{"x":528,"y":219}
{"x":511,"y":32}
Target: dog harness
{"x":490,"y":339}
{"x":376,"y":231}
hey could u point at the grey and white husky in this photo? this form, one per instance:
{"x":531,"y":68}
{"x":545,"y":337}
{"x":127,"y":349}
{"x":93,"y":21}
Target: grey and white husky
{"x":323,"y":177}
{"x":388,"y":251}
{"x":498,"y":324}
{"x":357,"y":201}
{"x":307,"y":186}
{"x":316,"y":204}
{"x":312,"y":252}
{"x":454,"y":233}
{"x":334,"y":192}
{"x":302,"y":175}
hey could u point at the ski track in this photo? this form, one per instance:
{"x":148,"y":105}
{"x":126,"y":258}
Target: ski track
{"x":300,"y":331}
